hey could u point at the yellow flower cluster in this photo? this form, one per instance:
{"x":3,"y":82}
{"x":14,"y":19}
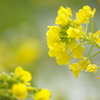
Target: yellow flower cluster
{"x":65,"y":40}
{"x":15,"y":87}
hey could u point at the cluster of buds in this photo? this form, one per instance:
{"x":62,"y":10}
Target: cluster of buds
{"x":16,"y":86}
{"x":67,"y":39}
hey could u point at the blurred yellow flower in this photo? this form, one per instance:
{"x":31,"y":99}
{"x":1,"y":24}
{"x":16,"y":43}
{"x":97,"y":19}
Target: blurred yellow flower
{"x":27,"y":52}
{"x":25,"y":75}
{"x":19,"y":90}
{"x":42,"y":94}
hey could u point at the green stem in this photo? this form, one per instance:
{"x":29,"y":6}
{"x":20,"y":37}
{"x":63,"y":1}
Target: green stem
{"x":78,"y":44}
{"x":90,"y":57}
{"x":94,"y":55}
{"x":92,"y":25}
{"x":75,"y":48}
{"x":98,"y":67}
{"x":91,"y":41}
{"x":90,"y":50}
{"x":86,"y":27}
{"x":84,"y":43}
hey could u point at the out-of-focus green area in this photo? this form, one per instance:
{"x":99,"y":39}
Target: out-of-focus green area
{"x":23,"y":26}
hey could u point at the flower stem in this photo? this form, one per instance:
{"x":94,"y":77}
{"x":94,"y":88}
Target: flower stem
{"x":86,"y":30}
{"x":91,"y":41}
{"x":90,"y":50}
{"x":94,"y":55}
{"x":90,"y":57}
{"x":92,"y":25}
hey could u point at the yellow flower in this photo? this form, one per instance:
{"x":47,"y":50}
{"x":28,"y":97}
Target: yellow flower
{"x":42,"y":94}
{"x":52,"y":35}
{"x":84,"y":63}
{"x":64,"y":58}
{"x":84,"y":14}
{"x":95,"y":36}
{"x":90,"y":13}
{"x":60,"y":52}
{"x":55,"y":50}
{"x":75,"y":68}
{"x":19,"y":90}
{"x":25,"y":75}
{"x":62,"y":20}
{"x":92,"y":68}
{"x":77,"y":52}
{"x":63,"y":16}
{"x":73,"y":45}
{"x":65,"y":11}
{"x":27,"y":52}
{"x":73,"y":32}
{"x":51,"y":52}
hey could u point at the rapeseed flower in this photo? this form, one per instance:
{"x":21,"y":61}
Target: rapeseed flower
{"x":14,"y":87}
{"x":23,"y":74}
{"x":78,"y":52}
{"x":66,"y":40}
{"x":53,"y":35}
{"x":73,"y":32}
{"x":95,"y":36}
{"x":64,"y":58}
{"x":75,"y":68}
{"x":19,"y":90}
{"x":84,"y":14}
{"x":42,"y":94}
{"x":60,"y":52}
{"x":84,"y":63}
{"x":62,"y":20}
{"x":65,"y":11}
{"x":64,"y":15}
{"x":92,"y":68}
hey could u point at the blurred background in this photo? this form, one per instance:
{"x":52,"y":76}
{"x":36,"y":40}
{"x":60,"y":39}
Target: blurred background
{"x":23,"y":26}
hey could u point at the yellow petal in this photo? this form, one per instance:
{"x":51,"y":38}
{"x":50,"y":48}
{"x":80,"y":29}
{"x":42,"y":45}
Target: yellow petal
{"x":18,"y":70}
{"x":26,"y":76}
